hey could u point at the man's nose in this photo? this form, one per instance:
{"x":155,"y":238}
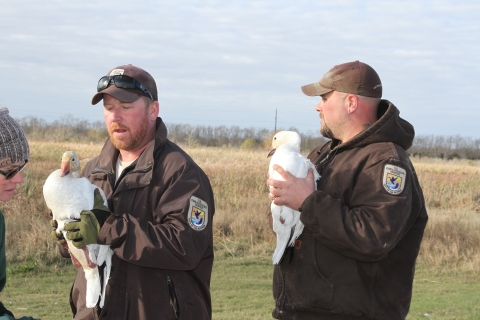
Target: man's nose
{"x":115,"y":115}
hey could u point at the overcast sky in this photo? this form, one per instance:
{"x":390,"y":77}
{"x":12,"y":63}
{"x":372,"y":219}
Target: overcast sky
{"x":236,"y":62}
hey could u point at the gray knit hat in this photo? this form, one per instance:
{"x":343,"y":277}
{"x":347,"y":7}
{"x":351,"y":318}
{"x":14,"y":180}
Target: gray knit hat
{"x":13,"y":144}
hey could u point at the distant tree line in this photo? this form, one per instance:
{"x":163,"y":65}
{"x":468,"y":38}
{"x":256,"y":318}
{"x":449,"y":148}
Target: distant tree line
{"x":66,"y":128}
{"x":69,"y":128}
{"x":218,"y":136}
{"x":445,"y":147}
{"x":233,"y":136}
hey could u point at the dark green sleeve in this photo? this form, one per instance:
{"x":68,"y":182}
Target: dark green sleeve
{"x":4,"y":311}
{"x":3,"y":259}
{"x":3,"y":263}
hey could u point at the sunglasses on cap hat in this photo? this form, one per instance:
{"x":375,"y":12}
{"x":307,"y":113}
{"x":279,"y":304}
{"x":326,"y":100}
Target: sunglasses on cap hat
{"x":123,"y":82}
{"x":11,"y":173}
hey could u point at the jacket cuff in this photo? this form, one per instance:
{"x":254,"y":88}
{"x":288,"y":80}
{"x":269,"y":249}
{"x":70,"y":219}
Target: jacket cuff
{"x":309,"y":208}
{"x":300,"y":209}
{"x":110,"y":219}
{"x":101,"y":216}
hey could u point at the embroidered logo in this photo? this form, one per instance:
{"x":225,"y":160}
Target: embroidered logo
{"x":393,"y":179}
{"x":117,"y":72}
{"x":197,"y":214}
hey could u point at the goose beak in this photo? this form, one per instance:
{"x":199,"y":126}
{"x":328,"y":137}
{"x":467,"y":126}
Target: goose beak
{"x":65,"y":168}
{"x":271,"y":152}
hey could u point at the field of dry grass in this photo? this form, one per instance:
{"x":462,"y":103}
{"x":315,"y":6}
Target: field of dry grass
{"x":452,"y":194}
{"x":451,"y":189}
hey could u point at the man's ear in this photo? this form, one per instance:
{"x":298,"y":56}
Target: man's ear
{"x":154,"y":109}
{"x":352,"y":103}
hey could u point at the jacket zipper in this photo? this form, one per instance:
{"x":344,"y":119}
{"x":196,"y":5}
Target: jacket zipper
{"x":173,"y":297}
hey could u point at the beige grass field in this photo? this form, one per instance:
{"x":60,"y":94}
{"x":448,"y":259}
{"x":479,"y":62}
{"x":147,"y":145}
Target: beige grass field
{"x":451,"y":189}
{"x":445,"y":287}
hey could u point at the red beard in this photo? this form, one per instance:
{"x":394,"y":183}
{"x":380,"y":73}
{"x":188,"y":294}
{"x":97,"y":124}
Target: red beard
{"x":131,"y":140}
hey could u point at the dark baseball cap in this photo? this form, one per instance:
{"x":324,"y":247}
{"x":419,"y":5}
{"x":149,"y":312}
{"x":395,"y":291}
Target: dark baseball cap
{"x":351,"y":77}
{"x":128,"y":95}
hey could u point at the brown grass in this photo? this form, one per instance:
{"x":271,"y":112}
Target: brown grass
{"x":451,"y":189}
{"x":452,"y":194}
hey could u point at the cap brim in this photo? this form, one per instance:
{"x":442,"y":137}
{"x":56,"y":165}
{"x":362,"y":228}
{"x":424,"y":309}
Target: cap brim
{"x":315,"y":89}
{"x":120,"y":94}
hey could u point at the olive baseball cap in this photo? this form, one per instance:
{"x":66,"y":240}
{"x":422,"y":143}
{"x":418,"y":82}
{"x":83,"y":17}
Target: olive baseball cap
{"x":128,"y":95}
{"x":351,"y":77}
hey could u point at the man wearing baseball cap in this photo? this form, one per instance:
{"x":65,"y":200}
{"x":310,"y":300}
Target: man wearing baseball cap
{"x":365,"y":219}
{"x":162,"y":206}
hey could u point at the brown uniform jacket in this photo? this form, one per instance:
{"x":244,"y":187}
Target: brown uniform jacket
{"x":363,"y":227}
{"x":163,"y":250}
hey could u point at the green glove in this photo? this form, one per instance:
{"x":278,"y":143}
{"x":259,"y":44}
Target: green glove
{"x":85,"y":231}
{"x":57,"y":237}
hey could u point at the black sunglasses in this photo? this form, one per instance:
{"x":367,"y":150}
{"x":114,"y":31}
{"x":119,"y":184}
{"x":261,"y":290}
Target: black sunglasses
{"x":123,"y":82}
{"x":11,"y":173}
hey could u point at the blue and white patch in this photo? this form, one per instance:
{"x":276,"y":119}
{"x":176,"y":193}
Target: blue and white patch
{"x":394,"y":179}
{"x":197,"y":214}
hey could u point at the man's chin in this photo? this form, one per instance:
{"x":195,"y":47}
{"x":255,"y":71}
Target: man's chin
{"x":120,"y":144}
{"x":326,"y":132}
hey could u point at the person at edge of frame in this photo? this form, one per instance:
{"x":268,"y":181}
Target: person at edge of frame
{"x":365,"y":222}
{"x":14,"y":156}
{"x":159,"y":221}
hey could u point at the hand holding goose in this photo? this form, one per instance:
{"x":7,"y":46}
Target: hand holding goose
{"x":73,"y":202}
{"x":285,"y":152}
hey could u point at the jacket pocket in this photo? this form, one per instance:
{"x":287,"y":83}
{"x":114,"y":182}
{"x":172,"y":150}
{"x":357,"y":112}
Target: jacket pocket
{"x":304,"y":285}
{"x":173,"y":298}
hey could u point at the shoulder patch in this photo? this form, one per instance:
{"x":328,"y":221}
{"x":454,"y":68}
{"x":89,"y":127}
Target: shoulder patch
{"x":197,"y":214}
{"x":393,"y":179}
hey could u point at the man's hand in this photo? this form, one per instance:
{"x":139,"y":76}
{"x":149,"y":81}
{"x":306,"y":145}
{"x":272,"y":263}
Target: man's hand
{"x":85,"y":231}
{"x":57,"y":236}
{"x":291,"y":192}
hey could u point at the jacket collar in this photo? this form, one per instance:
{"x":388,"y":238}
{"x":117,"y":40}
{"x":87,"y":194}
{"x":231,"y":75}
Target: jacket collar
{"x":389,"y":127}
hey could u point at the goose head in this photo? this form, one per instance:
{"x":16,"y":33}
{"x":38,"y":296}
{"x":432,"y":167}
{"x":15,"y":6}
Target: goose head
{"x":290,"y":139}
{"x":70,"y":164}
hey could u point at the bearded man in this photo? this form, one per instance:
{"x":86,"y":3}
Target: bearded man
{"x":365,"y":221}
{"x":161,"y":206}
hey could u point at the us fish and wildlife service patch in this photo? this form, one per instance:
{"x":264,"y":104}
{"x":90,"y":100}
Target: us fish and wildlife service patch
{"x":394,"y":179}
{"x":197,"y":214}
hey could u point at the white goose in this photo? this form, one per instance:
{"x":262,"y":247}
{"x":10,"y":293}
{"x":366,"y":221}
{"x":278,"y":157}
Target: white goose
{"x":66,"y":195}
{"x":285,"y":152}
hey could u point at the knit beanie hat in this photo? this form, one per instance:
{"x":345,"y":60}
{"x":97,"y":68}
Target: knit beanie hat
{"x":13,"y":144}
